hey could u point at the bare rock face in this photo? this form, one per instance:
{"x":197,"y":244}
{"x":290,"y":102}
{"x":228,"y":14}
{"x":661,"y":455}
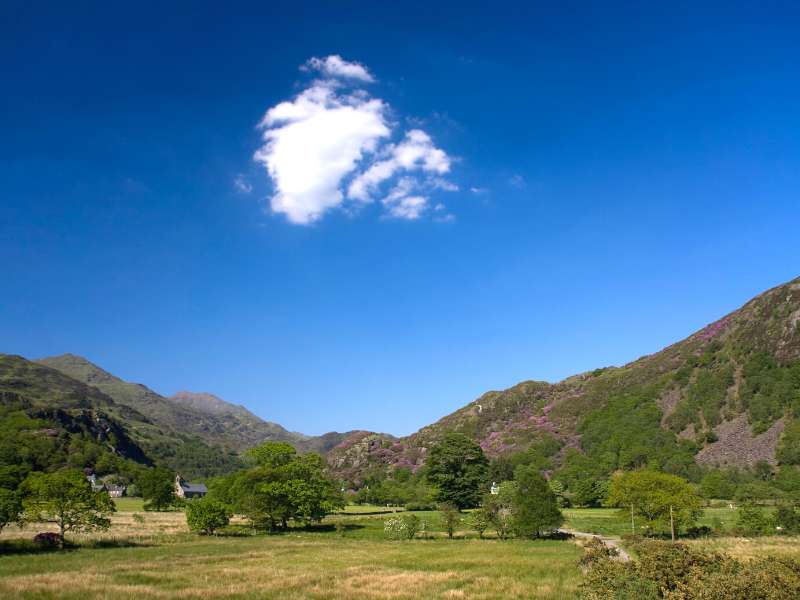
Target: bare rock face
{"x":737,"y":446}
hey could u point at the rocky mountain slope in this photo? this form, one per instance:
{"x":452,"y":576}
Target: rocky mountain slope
{"x":197,"y":414}
{"x":722,"y":396}
{"x":78,"y":419}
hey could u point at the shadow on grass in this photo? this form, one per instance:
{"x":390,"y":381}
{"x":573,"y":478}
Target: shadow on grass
{"x":11,"y":547}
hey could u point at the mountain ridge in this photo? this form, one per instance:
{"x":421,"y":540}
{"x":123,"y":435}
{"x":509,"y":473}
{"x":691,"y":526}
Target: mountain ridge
{"x":745,"y":365}
{"x":200,"y":414}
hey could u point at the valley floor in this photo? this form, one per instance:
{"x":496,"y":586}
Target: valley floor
{"x":152,"y":555}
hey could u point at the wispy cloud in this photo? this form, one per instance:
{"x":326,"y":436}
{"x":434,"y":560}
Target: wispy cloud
{"x":331,"y":147}
{"x":516,"y":181}
{"x":241,"y":184}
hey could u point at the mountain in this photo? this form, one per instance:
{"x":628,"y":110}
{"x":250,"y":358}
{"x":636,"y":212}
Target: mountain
{"x":722,"y":396}
{"x":243,"y":425}
{"x":203,"y":415}
{"x":78,"y":424}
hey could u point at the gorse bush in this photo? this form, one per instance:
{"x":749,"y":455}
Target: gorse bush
{"x":594,"y":551}
{"x":676,"y":572}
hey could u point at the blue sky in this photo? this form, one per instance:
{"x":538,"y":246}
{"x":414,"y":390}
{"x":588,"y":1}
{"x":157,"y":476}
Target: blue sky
{"x":625,"y":175}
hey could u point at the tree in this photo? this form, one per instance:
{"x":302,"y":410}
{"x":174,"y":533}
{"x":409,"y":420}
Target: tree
{"x":534,"y":505}
{"x":751,"y":520}
{"x":716,"y":485}
{"x":480,"y":520}
{"x":450,"y":518}
{"x":499,"y":508}
{"x":272,"y":454}
{"x":66,"y":498}
{"x":206,"y":516}
{"x":666,"y":502}
{"x":458,"y":469}
{"x":157,"y":487}
{"x":283,"y":486}
{"x":10,"y":507}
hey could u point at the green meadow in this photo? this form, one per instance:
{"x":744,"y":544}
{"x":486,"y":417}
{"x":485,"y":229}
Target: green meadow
{"x":153,"y":555}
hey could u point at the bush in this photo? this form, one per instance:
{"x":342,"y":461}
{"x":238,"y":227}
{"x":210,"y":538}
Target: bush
{"x":596,"y":550}
{"x":450,"y":518}
{"x":404,"y":527}
{"x":480,"y":520}
{"x":47,"y":540}
{"x":675,"y":572}
{"x":698,"y":532}
{"x":787,"y":519}
{"x":207,"y":516}
{"x":420,"y":506}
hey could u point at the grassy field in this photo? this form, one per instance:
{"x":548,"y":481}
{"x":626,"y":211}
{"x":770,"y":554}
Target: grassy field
{"x":153,"y":555}
{"x":609,"y":521}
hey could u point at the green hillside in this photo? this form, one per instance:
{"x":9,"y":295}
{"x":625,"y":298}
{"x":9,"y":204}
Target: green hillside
{"x":727,"y":395}
{"x":80,"y":425}
{"x":202,"y":415}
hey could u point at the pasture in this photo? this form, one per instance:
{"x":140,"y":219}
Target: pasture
{"x":153,"y":555}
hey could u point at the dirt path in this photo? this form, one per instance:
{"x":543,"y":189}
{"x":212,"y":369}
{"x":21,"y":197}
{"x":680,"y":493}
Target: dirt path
{"x":608,"y":541}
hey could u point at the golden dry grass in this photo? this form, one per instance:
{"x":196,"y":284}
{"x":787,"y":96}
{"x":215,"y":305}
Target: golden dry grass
{"x":750,"y":548}
{"x":171,"y":563}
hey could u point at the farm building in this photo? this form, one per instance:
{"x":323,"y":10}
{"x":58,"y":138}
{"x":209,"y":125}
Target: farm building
{"x":184,"y":489}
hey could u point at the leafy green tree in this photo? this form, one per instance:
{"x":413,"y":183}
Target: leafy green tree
{"x":590,"y":492}
{"x":272,"y":454}
{"x":534,"y":504}
{"x":157,"y":487}
{"x":751,"y":520}
{"x":207,"y":516}
{"x":560,"y":492}
{"x":716,"y":485}
{"x":666,"y":502}
{"x":10,"y":507}
{"x":65,"y":498}
{"x":458,"y":469}
{"x":283,"y":486}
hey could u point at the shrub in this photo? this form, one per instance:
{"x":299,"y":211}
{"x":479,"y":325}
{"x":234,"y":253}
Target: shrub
{"x":48,"y":539}
{"x":206,"y":516}
{"x":450,"y":518}
{"x":404,"y":527}
{"x":480,"y":520}
{"x":698,"y":532}
{"x":787,"y":519}
{"x":675,"y":572}
{"x":594,"y":551}
{"x":420,"y":506}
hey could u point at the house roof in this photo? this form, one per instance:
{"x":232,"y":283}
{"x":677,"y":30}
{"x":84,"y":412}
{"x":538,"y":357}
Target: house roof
{"x":194,"y":487}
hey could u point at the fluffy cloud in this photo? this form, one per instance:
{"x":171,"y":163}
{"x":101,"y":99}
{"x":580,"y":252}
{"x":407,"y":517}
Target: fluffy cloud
{"x":333,"y":136}
{"x":334,"y":66}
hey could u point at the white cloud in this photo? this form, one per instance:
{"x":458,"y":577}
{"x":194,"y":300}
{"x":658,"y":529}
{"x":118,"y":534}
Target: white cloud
{"x":242,"y":185}
{"x":415,"y":152}
{"x":408,"y":207}
{"x":478,"y":190}
{"x":329,"y":135}
{"x":335,"y":66}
